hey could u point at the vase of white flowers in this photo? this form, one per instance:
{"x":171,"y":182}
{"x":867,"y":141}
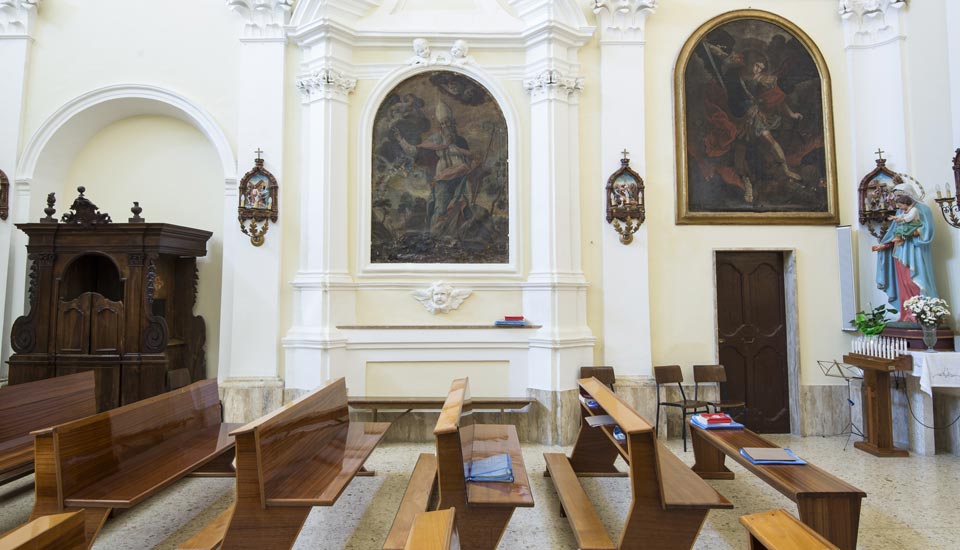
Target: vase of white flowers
{"x":928,"y":311}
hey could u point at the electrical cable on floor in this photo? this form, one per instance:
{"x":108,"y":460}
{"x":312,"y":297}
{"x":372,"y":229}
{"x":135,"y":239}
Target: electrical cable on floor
{"x":902,"y":379}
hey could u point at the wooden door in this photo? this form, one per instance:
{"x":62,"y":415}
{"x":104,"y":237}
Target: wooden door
{"x":106,"y":326}
{"x":73,"y":325}
{"x":752,"y":337}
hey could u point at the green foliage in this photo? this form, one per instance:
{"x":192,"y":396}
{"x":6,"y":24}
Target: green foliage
{"x":871,"y":322}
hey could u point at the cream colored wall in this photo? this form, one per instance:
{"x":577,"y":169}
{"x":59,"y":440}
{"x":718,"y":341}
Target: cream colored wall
{"x":173,"y":171}
{"x":681,"y":257}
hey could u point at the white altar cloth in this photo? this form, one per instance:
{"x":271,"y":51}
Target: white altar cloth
{"x":936,"y":370}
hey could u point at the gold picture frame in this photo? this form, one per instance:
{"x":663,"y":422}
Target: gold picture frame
{"x":743,"y":174}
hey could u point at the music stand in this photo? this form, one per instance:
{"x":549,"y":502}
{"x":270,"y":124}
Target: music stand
{"x":836,"y":369}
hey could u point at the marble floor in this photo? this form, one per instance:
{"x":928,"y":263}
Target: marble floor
{"x":911,"y":503}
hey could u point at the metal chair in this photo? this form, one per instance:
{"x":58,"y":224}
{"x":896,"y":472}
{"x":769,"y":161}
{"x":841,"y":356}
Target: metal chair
{"x":713,"y":374}
{"x":672,"y":374}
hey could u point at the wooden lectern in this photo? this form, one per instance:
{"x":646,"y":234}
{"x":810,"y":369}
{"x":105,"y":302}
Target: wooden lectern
{"x":877,"y":410}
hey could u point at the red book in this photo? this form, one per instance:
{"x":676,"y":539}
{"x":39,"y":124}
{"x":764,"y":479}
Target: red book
{"x":513,"y":317}
{"x":716,"y":418}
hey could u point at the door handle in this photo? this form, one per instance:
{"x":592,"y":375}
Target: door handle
{"x":721,"y":341}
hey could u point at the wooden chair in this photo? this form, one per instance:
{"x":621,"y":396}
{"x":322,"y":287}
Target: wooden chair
{"x":670,"y":502}
{"x":483,"y":509}
{"x":778,"y":530}
{"x":717,"y":375}
{"x":56,"y":532}
{"x":829,"y":505}
{"x":434,"y":531}
{"x":121,"y":457}
{"x":672,"y":374}
{"x":35,"y":405}
{"x":297,"y":457}
{"x":604,"y":374}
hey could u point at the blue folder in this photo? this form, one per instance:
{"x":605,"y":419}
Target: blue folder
{"x":797,"y":459}
{"x":492,"y":468}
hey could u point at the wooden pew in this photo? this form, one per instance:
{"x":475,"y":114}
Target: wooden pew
{"x":56,"y":532}
{"x":670,"y":503}
{"x":778,"y":530}
{"x":410,"y":404}
{"x":483,"y":509}
{"x":119,"y":458}
{"x":826,"y":503}
{"x":434,"y":531}
{"x":297,"y":457}
{"x":35,"y":405}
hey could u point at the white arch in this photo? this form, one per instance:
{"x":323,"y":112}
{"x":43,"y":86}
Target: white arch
{"x":72,"y":125}
{"x":367,"y":118}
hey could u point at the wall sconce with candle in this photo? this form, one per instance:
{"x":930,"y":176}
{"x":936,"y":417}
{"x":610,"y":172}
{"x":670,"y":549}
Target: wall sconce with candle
{"x":947,"y":202}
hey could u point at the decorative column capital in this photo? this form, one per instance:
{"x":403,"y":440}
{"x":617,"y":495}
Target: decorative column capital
{"x":623,"y":21}
{"x":17,"y":17}
{"x":326,"y":84}
{"x":553,"y":84}
{"x":262,"y":18}
{"x":866,"y":20}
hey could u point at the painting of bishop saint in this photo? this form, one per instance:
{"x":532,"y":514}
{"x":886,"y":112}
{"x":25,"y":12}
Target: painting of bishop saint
{"x":440,"y":190}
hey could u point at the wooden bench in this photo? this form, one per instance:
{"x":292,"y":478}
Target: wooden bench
{"x":120,"y":457}
{"x":826,"y":503}
{"x":56,"y":532}
{"x":778,"y":530}
{"x":434,"y":531}
{"x":670,"y":502}
{"x":297,"y":457}
{"x":35,"y":405}
{"x":483,"y":509}
{"x":410,"y":404}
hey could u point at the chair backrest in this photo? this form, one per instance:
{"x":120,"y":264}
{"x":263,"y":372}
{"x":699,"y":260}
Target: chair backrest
{"x":44,"y":403}
{"x":603,"y":374}
{"x":668,"y":374}
{"x":709,"y":373}
{"x":92,"y":448}
{"x":454,"y":443}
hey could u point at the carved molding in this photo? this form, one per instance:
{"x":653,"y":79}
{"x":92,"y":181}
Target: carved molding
{"x":869,"y":16}
{"x":424,"y":55}
{"x":326,"y":83}
{"x":440,"y":297}
{"x":623,"y":20}
{"x":262,"y":18}
{"x":17,"y":16}
{"x":552,"y":84}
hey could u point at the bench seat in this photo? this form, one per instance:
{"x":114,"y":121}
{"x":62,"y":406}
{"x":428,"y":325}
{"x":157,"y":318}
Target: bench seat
{"x":778,"y":530}
{"x":147,"y":472}
{"x":434,"y":531}
{"x":587,"y":527}
{"x":682,"y":488}
{"x":55,"y":532}
{"x":489,"y":440}
{"x":416,"y":499}
{"x":16,"y":457}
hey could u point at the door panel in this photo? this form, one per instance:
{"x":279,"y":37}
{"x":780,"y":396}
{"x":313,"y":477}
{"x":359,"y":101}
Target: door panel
{"x":752,"y":344}
{"x":106,"y":326}
{"x":73,"y":325}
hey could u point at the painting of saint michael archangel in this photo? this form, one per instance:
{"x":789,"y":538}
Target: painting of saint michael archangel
{"x":440,"y":190}
{"x":754,"y":125}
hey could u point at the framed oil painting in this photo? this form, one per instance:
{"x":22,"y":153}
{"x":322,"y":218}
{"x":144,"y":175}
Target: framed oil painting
{"x":754,"y":125}
{"x":440,"y":190}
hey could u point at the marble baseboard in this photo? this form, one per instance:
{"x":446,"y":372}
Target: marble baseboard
{"x":246,"y":399}
{"x":946,"y":408}
{"x":824,"y":410}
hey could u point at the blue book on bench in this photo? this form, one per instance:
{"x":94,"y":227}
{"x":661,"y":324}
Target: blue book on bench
{"x":493,"y":468}
{"x":796,"y":459}
{"x":701,"y":424}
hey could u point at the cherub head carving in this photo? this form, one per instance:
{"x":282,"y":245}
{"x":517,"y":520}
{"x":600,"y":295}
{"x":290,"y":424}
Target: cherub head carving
{"x":441,"y":297}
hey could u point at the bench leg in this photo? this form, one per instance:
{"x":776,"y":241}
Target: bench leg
{"x":652,"y":527}
{"x":482,"y":528}
{"x":93,"y":520}
{"x":836,"y":518}
{"x":754,"y":544}
{"x":708,"y":459}
{"x":219,"y":466}
{"x":593,"y":453}
{"x":256,"y":528}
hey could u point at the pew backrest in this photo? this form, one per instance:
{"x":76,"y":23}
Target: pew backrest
{"x":32,"y":406}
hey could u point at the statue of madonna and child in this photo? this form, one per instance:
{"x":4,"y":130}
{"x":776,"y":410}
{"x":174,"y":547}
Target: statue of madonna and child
{"x":904,"y":259}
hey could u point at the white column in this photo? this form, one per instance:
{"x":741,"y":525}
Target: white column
{"x":555,"y":293}
{"x":953,"y":57}
{"x":626,"y":288}
{"x":16,"y":23}
{"x":324,"y":292}
{"x":249,"y":321}
{"x":875,"y":44}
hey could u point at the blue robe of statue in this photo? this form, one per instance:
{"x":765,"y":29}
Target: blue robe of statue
{"x":914,"y":253}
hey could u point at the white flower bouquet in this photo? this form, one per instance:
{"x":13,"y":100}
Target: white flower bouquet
{"x":927,"y":310}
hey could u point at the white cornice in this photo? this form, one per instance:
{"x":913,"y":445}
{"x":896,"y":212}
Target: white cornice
{"x":866,"y":21}
{"x":326,"y":83}
{"x":17,"y":17}
{"x":623,"y":21}
{"x":262,"y":18}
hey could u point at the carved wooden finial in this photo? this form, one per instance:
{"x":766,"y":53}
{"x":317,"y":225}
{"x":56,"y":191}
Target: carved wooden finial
{"x":50,"y":210}
{"x":84,"y":212}
{"x":136,"y":213}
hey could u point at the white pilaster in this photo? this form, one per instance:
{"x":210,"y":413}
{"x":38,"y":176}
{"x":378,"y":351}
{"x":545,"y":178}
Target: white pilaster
{"x":555,"y":295}
{"x":17,"y":18}
{"x":324,"y":292}
{"x":626,"y":288}
{"x":250,"y":317}
{"x":874,"y":38}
